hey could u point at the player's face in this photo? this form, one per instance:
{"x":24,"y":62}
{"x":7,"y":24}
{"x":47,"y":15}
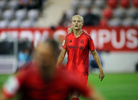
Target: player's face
{"x":77,"y":23}
{"x":45,"y":57}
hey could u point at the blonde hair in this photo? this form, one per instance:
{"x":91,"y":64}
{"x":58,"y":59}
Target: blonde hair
{"x":70,"y":30}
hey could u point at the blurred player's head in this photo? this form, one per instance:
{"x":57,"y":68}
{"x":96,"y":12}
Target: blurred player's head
{"x":46,"y":55}
{"x":77,"y":23}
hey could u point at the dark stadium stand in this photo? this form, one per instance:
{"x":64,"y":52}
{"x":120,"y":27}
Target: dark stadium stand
{"x":24,"y":13}
{"x":121,"y":12}
{"x":19,"y":13}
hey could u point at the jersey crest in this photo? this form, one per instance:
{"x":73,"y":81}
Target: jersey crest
{"x":82,"y":41}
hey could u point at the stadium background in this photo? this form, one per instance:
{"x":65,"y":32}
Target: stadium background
{"x":113,"y":25}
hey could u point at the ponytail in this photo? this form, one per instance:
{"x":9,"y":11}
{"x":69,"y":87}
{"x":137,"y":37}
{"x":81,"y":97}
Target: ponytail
{"x":70,"y":30}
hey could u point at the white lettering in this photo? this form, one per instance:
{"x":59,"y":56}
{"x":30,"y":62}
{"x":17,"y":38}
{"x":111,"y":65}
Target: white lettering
{"x":104,"y":37}
{"x":115,"y":43}
{"x":26,"y":34}
{"x":37,"y":36}
{"x":3,"y":35}
{"x":93,"y":34}
{"x":131,"y":35}
{"x":14,"y":33}
{"x":58,"y":33}
{"x":45,"y":35}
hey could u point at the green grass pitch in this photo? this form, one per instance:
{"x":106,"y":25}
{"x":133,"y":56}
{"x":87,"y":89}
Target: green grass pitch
{"x":113,"y":87}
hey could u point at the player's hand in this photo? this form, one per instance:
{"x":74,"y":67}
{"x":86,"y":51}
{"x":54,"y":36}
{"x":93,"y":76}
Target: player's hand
{"x":101,"y":75}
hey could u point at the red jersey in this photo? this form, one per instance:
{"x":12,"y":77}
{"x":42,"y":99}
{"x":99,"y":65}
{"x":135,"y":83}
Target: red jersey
{"x":33,"y":86}
{"x":78,"y":52}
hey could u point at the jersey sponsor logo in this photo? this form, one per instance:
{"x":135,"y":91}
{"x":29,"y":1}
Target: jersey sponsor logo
{"x":73,"y":47}
{"x":82,"y":41}
{"x":63,"y":43}
{"x":76,"y":47}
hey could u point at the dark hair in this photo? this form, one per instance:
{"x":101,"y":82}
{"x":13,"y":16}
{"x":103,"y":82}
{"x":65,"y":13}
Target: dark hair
{"x":54,"y":45}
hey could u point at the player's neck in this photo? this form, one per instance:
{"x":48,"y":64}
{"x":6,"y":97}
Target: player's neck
{"x":77,"y":33}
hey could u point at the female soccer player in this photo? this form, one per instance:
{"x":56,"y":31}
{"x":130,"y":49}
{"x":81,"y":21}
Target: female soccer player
{"x":77,"y":45}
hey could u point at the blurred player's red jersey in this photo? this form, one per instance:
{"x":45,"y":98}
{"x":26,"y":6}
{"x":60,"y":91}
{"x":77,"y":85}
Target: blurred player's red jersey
{"x":33,"y":86}
{"x":78,"y":52}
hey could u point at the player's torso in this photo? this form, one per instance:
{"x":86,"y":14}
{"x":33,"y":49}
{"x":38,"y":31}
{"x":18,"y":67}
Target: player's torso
{"x":77,"y":50}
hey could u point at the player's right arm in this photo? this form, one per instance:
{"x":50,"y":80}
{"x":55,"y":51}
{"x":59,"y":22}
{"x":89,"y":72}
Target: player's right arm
{"x":3,"y":97}
{"x":10,"y":88}
{"x":63,"y":52}
{"x":89,"y":92}
{"x":12,"y":85}
{"x":61,"y":57}
{"x":94,"y":94}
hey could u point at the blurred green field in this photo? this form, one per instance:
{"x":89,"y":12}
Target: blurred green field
{"x":113,"y":87}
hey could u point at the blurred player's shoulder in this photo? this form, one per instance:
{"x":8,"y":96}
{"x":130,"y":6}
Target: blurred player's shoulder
{"x":27,"y":66}
{"x":27,"y":69}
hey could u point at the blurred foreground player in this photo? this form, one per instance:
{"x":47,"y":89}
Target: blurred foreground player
{"x":77,"y":45}
{"x":40,"y":80}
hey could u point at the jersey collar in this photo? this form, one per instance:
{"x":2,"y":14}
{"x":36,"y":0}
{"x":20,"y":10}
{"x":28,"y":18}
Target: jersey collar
{"x":78,"y":36}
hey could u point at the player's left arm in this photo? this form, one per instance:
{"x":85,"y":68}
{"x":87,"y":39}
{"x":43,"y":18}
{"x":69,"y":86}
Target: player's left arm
{"x":96,"y":57}
{"x":97,"y":60}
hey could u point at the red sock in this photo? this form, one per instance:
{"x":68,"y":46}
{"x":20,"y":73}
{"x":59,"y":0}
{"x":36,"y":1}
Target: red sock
{"x":75,"y":98}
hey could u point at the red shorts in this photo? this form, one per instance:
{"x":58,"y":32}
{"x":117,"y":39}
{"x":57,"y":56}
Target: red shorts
{"x":83,"y":79}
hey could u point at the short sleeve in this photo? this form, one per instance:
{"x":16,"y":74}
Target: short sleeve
{"x":13,"y":84}
{"x":64,"y":44}
{"x":91,"y":44}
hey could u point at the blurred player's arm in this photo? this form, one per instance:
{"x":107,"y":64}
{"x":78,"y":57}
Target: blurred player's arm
{"x":3,"y":97}
{"x":12,"y":85}
{"x":92,"y":94}
{"x":9,"y":88}
{"x":97,"y":60}
{"x":61,"y":57}
{"x":87,"y":91}
{"x":95,"y":95}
